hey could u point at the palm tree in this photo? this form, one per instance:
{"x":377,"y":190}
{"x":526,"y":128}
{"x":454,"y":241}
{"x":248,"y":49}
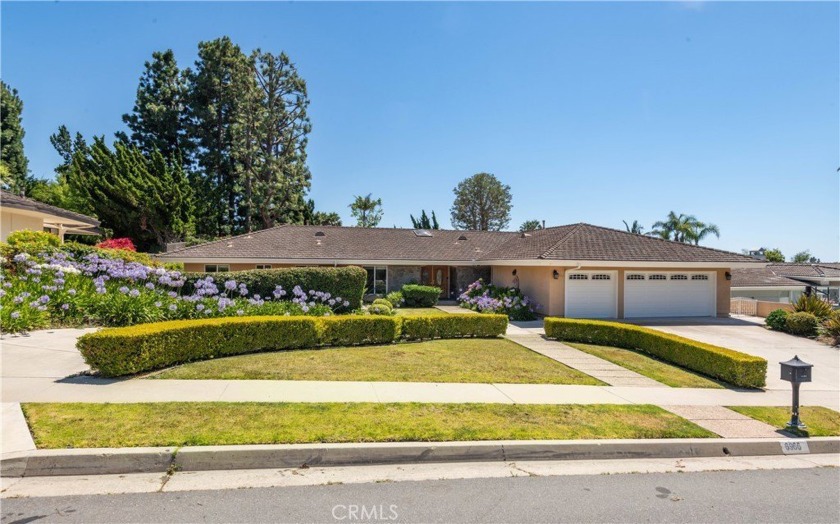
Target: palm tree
{"x":366,"y":210}
{"x":636,"y":228}
{"x":684,"y":228}
{"x":701,"y":230}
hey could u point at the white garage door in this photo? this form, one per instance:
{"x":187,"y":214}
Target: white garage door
{"x":669,"y":294}
{"x":591,"y":294}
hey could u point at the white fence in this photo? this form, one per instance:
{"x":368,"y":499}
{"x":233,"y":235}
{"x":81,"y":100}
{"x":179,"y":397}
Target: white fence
{"x":743,"y":306}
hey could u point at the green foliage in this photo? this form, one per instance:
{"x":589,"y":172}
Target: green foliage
{"x":777,"y":319}
{"x":383,"y":302}
{"x":453,"y":326}
{"x":804,"y":257}
{"x":423,"y":222}
{"x":488,"y":298}
{"x":145,"y":198}
{"x":684,"y":228}
{"x":380,"y":309}
{"x":348,"y":283}
{"x":366,"y":210}
{"x":146,"y":347}
{"x":357,"y":330}
{"x":636,"y":227}
{"x":310,"y":217}
{"x":33,"y":242}
{"x":774,"y":255}
{"x":530,"y":225}
{"x":813,"y":304}
{"x":416,"y":295}
{"x":831,"y":327}
{"x":802,"y":324}
{"x":481,"y":203}
{"x":12,"y":158}
{"x":734,"y":367}
{"x":395,"y":298}
{"x":130,"y":350}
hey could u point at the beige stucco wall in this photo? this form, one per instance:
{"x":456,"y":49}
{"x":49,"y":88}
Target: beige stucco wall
{"x":11,"y":222}
{"x":762,"y":308}
{"x":538,"y":284}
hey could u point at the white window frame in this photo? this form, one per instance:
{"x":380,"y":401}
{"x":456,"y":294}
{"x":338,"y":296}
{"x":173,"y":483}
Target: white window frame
{"x":377,"y":292}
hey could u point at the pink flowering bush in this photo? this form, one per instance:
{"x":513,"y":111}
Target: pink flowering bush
{"x":117,"y":243}
{"x":487,"y":298}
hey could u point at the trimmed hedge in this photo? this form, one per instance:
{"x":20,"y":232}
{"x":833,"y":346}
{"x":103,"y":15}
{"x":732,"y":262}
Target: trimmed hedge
{"x":345,"y":282}
{"x":357,"y":330}
{"x":453,"y":326}
{"x":146,"y":347}
{"x":728,"y":365}
{"x":802,"y":324}
{"x":420,"y":296}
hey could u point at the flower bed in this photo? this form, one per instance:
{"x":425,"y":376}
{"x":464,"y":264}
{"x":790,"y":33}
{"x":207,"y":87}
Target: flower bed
{"x":487,"y":298}
{"x":62,"y":289}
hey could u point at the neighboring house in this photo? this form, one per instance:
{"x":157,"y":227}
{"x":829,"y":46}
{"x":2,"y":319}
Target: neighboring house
{"x":18,"y":213}
{"x":785,"y":282}
{"x":577,"y":270}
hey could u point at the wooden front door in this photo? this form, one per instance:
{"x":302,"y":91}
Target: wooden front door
{"x":437,"y":276}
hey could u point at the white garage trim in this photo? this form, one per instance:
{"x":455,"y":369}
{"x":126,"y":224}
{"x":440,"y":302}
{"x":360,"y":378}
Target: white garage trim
{"x":670,"y":294}
{"x":591,"y":294}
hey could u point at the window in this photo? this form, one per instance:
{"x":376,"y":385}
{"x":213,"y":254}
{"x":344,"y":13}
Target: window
{"x":216,"y":268}
{"x":263,"y":266}
{"x":377,"y":278}
{"x":578,"y":276}
{"x":635,"y":276}
{"x":600,"y":277}
{"x":699,"y":277}
{"x":679,"y":277}
{"x":657,"y":277}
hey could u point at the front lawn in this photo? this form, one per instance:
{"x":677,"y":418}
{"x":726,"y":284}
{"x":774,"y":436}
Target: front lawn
{"x":87,"y":425}
{"x":820,"y":421}
{"x":663,"y":372}
{"x":418,"y":312}
{"x":452,"y":360}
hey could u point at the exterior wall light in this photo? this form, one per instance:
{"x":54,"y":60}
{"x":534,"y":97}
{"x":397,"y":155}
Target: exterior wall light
{"x":555,"y":274}
{"x":514,"y":272}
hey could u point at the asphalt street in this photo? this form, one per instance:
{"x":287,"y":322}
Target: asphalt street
{"x":808,"y":495}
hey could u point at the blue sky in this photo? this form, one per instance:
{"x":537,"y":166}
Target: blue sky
{"x":590,"y":112}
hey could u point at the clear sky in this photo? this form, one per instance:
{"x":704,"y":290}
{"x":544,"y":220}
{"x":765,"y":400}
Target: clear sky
{"x":590,"y":112}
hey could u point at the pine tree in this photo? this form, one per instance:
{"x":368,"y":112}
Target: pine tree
{"x":15,"y":166}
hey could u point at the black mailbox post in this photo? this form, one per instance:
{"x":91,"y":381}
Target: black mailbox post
{"x":796,"y":372}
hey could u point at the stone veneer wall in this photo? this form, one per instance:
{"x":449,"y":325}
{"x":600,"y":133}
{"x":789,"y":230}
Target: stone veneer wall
{"x":398,"y":276}
{"x":466,"y":275}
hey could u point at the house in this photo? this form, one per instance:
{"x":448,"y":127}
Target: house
{"x":577,"y":270}
{"x":18,"y":213}
{"x":785,"y":282}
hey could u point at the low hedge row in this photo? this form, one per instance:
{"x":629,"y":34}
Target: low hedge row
{"x":146,"y":347}
{"x":727,"y":365}
{"x":345,"y":282}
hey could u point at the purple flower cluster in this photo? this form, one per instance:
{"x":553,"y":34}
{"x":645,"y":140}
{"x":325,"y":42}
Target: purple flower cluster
{"x":487,"y":298}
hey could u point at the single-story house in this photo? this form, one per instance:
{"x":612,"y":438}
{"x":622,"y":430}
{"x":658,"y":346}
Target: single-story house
{"x":577,"y":270}
{"x":18,"y":213}
{"x":785,"y":282}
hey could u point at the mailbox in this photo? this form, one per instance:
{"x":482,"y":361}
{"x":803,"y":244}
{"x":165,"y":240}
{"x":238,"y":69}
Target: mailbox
{"x":795,"y":370}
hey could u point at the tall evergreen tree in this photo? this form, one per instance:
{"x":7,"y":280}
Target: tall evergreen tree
{"x":146,"y":198}
{"x":367,"y":211}
{"x":424,"y":222}
{"x":15,"y":166}
{"x":221,"y":80}
{"x":481,"y":203}
{"x":158,"y":120}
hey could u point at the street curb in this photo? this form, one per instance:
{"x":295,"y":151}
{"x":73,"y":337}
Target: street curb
{"x":101,"y":461}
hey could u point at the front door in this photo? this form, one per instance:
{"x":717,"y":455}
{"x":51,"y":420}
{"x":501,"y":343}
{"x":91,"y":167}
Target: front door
{"x":437,"y":276}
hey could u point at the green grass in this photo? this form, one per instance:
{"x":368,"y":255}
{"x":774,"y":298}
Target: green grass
{"x":820,"y":421}
{"x":418,"y":312}
{"x":455,"y":360}
{"x":88,"y":425}
{"x":663,"y":372}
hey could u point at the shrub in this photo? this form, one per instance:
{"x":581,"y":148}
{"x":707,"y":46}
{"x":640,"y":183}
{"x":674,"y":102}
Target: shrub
{"x":380,"y":309}
{"x":383,"y":302}
{"x":831,"y":327}
{"x":395,"y":298}
{"x":130,"y":350}
{"x":801,"y":324}
{"x":776,"y":319}
{"x":730,"y":366}
{"x":344,"y":283}
{"x":420,"y":296}
{"x":33,"y":239}
{"x":487,"y":298}
{"x":453,"y":326}
{"x":814,"y":305}
{"x":356,"y":330}
{"x":117,"y":243}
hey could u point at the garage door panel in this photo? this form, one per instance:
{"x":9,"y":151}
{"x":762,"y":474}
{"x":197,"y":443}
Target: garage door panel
{"x":591,"y":294}
{"x":669,"y":294}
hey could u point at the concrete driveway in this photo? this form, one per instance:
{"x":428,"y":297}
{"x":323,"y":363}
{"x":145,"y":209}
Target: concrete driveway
{"x":749,"y":336}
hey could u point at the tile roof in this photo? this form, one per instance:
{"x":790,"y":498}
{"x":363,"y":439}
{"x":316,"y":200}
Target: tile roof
{"x":762,"y":277}
{"x":12,"y":200}
{"x":817,"y":270}
{"x":785,"y":274}
{"x":577,"y":242}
